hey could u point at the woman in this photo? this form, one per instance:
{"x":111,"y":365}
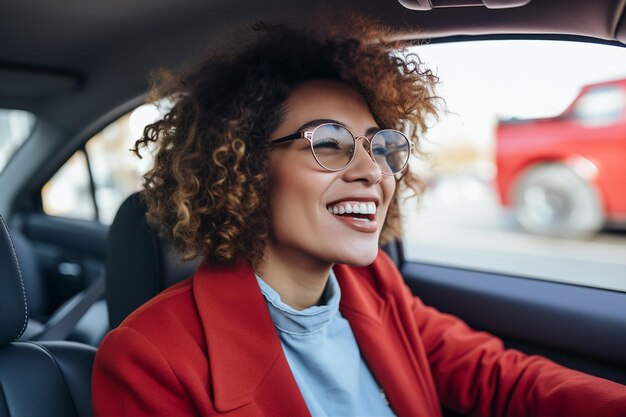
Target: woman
{"x":280,"y":164}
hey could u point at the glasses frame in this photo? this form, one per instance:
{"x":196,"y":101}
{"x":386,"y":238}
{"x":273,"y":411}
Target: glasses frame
{"x":308,"y":135}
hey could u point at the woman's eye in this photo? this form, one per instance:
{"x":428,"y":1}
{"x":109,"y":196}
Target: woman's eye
{"x":379,"y":151}
{"x":328,"y":143}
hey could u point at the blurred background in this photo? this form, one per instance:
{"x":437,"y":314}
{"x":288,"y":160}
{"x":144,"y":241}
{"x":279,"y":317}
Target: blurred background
{"x":526,"y":169}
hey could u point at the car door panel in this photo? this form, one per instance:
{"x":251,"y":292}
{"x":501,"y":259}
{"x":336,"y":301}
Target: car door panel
{"x":580,"y":327}
{"x":69,"y":252}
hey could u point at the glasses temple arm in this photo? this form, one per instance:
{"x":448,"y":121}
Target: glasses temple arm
{"x":293,"y":136}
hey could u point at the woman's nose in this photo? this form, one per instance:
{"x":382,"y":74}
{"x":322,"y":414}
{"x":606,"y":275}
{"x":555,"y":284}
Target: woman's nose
{"x":363,"y":166}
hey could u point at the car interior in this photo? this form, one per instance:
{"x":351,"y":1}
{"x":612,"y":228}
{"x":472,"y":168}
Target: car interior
{"x":58,"y":371}
{"x":76,"y":67}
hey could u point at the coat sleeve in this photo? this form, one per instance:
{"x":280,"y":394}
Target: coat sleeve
{"x":131,"y":377}
{"x":475,"y":374}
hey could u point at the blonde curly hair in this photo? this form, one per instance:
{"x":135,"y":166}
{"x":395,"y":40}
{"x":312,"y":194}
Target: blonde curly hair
{"x":208,"y":186}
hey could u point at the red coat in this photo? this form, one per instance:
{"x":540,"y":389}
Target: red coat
{"x":207,"y":346}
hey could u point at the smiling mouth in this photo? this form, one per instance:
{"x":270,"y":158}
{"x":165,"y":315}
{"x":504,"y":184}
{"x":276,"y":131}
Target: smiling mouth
{"x":358,"y":210}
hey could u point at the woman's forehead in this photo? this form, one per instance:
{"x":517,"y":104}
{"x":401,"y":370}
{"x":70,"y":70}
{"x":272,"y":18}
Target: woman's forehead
{"x":326,"y":100}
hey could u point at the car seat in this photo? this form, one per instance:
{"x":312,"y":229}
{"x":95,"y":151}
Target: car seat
{"x":36,"y":379}
{"x":139,"y":263}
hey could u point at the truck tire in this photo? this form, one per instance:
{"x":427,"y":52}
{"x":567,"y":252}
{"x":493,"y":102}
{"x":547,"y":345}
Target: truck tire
{"x":553,"y":200}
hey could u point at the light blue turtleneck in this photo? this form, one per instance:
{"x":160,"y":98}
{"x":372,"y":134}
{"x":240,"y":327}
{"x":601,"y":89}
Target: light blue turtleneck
{"x":324,"y":357}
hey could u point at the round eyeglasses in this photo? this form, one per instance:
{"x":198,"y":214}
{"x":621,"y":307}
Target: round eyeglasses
{"x":334,"y":147}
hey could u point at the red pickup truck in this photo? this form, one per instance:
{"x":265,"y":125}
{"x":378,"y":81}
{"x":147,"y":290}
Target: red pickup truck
{"x":566,"y":175}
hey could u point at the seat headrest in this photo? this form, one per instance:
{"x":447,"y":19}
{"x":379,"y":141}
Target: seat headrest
{"x":13,"y":309}
{"x":139,"y":263}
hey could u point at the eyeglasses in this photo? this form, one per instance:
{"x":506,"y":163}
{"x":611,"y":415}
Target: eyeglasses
{"x":334,"y":147}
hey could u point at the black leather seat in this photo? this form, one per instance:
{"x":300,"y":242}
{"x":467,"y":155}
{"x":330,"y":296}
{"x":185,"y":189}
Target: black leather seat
{"x":139,"y":264}
{"x":36,"y":379}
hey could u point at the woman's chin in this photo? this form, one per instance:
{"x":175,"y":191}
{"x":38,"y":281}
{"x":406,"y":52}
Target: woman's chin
{"x":358,"y":258}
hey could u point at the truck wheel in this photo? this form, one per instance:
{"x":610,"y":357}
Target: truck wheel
{"x":554,"y":200}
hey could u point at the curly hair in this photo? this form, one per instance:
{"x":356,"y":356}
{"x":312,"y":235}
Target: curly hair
{"x":208,"y":186}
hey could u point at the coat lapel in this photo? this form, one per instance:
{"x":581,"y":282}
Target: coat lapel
{"x":247,"y":363}
{"x":246,"y":359}
{"x":392,"y":349}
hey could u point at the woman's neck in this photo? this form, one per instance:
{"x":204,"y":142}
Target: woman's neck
{"x":300,"y":281}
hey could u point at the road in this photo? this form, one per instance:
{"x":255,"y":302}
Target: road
{"x":461,"y":224}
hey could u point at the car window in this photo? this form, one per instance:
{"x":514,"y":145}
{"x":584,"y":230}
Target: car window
{"x":603,"y":105}
{"x":15,"y":127}
{"x":68,"y":193}
{"x":514,"y":186}
{"x":94,"y":182}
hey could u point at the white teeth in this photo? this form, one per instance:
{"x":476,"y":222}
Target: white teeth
{"x":357,"y":208}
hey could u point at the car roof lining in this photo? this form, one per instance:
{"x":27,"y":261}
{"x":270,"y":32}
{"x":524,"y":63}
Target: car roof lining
{"x":101,"y":53}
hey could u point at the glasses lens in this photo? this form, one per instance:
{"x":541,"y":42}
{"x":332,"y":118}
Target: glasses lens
{"x":391,"y":149}
{"x":333,"y":145}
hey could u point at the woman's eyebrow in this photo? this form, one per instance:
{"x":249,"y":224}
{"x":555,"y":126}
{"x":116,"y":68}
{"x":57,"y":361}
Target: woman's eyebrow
{"x":314,"y":123}
{"x":317,"y":122}
{"x":371,"y":131}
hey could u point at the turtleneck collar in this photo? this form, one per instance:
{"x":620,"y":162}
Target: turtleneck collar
{"x":302,"y":322}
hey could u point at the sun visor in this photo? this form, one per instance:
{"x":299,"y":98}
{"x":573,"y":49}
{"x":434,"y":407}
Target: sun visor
{"x":19,"y":82}
{"x":436,"y":4}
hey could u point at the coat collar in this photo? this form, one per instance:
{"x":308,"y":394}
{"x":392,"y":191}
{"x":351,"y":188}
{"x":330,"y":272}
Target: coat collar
{"x":245,"y":354}
{"x":244,"y":348}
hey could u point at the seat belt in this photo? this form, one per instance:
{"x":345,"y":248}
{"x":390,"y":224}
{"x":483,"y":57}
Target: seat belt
{"x":64,"y":320}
